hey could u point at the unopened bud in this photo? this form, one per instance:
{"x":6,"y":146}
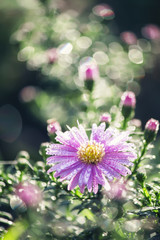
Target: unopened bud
{"x":105,"y":117}
{"x":53,"y":126}
{"x":128,"y":102}
{"x":151,"y":129}
{"x":89,"y":73}
{"x":141,"y":177}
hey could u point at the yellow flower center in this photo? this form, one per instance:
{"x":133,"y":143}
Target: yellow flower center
{"x":93,"y":152}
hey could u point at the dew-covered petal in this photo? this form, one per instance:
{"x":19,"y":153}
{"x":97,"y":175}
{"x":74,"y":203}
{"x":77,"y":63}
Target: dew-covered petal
{"x":82,"y":187}
{"x":119,"y":138}
{"x":67,"y":139}
{"x":69,"y":173}
{"x":120,"y":147}
{"x":89,"y":184}
{"x":108,"y":135}
{"x":99,"y":176}
{"x":83,"y":132}
{"x":61,"y":153}
{"x":119,"y":168}
{"x":97,"y":132}
{"x":60,"y":159}
{"x":85,"y":174}
{"x":61,"y":150}
{"x":120,"y":157}
{"x":101,"y":135}
{"x":108,"y":171}
{"x":64,"y":165}
{"x":84,"y":177}
{"x":94,"y":181}
{"x":74,"y":181}
{"x":79,"y":135}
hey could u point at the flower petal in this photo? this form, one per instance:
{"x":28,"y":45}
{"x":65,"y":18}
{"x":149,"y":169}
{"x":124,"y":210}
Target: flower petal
{"x":119,"y":168}
{"x":85,"y":174}
{"x":108,"y":171}
{"x":97,"y":132}
{"x":74,"y":181}
{"x":94,"y":182}
{"x":60,"y":159}
{"x":83,"y":132}
{"x":119,"y":138}
{"x":64,"y":165}
{"x":120,"y":157}
{"x":89,"y":184}
{"x":79,"y":134}
{"x":67,"y":139}
{"x":61,"y":150}
{"x":99,"y":176}
{"x":69,"y":173}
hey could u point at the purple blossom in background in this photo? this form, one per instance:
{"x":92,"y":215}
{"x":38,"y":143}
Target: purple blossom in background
{"x":129,"y":38}
{"x":87,"y":162}
{"x":29,"y":194}
{"x":151,"y":31}
{"x":118,"y":190}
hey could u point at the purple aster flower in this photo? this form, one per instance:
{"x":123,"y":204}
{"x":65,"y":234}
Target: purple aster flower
{"x":91,"y":162}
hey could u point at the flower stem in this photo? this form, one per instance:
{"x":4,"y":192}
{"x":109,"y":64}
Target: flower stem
{"x":138,"y":160}
{"x":145,"y":192}
{"x":124,"y":125}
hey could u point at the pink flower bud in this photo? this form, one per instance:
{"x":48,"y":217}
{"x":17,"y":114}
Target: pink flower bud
{"x":129,"y":38}
{"x":151,"y":129}
{"x":152,"y":125}
{"x":105,"y":117}
{"x":52,"y":55}
{"x":151,"y":31}
{"x":128,"y":99}
{"x":53,"y":126}
{"x":91,"y":73}
{"x":88,"y":73}
{"x":29,"y":194}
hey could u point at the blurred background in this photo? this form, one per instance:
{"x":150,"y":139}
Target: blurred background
{"x":20,"y":128}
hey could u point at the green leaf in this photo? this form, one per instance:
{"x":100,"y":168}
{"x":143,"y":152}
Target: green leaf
{"x":88,"y":214}
{"x":16,"y":231}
